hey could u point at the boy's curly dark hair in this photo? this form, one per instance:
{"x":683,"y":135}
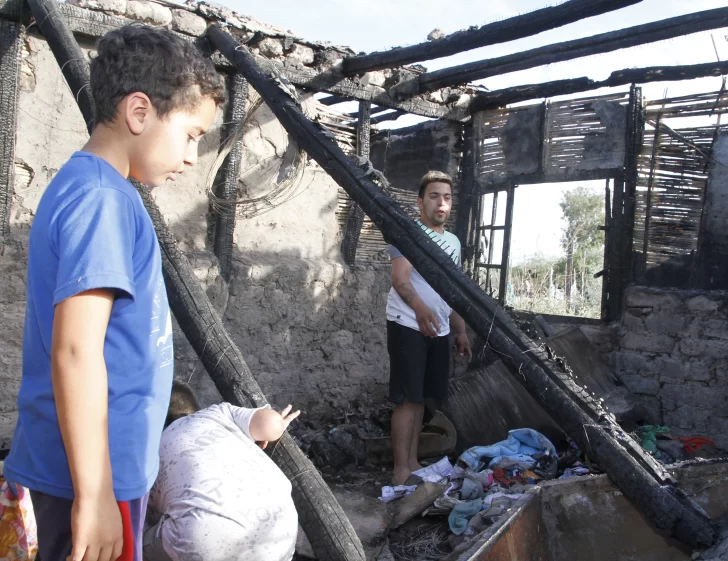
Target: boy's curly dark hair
{"x":154,"y":61}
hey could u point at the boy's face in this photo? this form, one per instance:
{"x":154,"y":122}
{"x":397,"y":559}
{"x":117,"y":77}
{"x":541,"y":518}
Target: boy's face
{"x":167,"y":145}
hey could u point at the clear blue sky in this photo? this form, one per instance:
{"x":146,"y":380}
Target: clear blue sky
{"x":368,"y":25}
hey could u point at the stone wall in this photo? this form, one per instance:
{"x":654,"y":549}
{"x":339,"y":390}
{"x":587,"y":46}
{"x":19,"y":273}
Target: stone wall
{"x":672,"y":351}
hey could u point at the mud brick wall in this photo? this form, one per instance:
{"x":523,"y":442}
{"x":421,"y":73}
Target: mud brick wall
{"x":672,"y":351}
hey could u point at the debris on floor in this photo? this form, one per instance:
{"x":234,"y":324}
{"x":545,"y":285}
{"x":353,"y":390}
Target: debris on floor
{"x":669,"y":449}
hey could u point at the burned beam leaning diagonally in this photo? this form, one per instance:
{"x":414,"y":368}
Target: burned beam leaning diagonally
{"x":328,"y":529}
{"x":490,"y":34}
{"x":662,"y":504}
{"x":568,"y":50}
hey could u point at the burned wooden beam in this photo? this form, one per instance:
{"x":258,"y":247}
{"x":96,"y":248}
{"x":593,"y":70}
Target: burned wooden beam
{"x":509,"y":29}
{"x":322,"y":518}
{"x":657,"y":499}
{"x":11,"y":37}
{"x":226,"y":182}
{"x":375,"y":110}
{"x":351,"y":89}
{"x":334,"y":99}
{"x":75,"y":70}
{"x":393,"y":116}
{"x":501,"y":98}
{"x":355,"y":218}
{"x":568,"y":50}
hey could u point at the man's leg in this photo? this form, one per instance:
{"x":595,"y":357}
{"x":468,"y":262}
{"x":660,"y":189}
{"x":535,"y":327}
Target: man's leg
{"x":413,"y":462}
{"x":403,"y":427}
{"x":407,"y":356}
{"x":53,"y":520}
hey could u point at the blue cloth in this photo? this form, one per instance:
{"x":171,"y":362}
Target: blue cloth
{"x":521,"y":445}
{"x":461,"y":514}
{"x":90,"y":231}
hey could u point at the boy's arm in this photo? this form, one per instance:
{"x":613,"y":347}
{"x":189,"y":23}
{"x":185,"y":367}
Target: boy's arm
{"x":80,"y":387}
{"x":268,"y":425}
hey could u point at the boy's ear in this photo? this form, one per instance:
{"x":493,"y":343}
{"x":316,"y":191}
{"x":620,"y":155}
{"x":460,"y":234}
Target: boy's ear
{"x":137,"y":109}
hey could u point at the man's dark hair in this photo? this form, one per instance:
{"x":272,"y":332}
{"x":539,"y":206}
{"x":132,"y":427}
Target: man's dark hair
{"x":433,"y":177}
{"x":173,"y":72}
{"x":183,"y":402}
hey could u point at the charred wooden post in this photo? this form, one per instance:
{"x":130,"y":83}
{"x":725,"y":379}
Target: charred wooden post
{"x":568,"y":50}
{"x":506,"y":254}
{"x":355,"y":218}
{"x":329,"y":531}
{"x":604,"y":273}
{"x":659,"y":500}
{"x":227,"y":177}
{"x":506,"y":96}
{"x":650,"y":181}
{"x":75,"y":68}
{"x":633,"y":144}
{"x":11,"y":36}
{"x":510,"y":29}
{"x":466,"y":193}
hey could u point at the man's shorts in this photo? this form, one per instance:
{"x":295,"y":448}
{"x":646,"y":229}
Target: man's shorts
{"x":419,"y":366}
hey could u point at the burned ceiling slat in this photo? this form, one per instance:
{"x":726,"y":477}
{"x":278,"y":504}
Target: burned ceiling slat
{"x":510,"y":29}
{"x":501,"y":98}
{"x":568,"y":50}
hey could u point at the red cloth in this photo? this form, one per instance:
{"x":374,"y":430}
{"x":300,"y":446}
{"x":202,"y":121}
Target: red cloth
{"x":127,"y":552}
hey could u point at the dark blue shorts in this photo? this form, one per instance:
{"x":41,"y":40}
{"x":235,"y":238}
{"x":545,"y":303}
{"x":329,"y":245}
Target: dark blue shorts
{"x":53,"y":517}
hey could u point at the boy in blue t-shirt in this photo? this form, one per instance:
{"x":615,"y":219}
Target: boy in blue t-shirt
{"x":97,"y":345}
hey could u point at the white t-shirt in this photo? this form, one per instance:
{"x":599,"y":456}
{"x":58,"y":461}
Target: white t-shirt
{"x":399,"y":312}
{"x":221,"y":496}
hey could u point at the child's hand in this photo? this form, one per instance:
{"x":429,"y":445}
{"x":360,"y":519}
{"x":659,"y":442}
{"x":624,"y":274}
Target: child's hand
{"x":270,"y":425}
{"x":96,"y":529}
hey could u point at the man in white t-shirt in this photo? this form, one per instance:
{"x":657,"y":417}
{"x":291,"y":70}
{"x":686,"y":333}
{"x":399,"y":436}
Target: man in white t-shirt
{"x":418,"y":326}
{"x":218,"y":496}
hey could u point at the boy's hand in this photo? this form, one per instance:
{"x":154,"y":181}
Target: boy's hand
{"x":96,"y":529}
{"x":273,"y":424}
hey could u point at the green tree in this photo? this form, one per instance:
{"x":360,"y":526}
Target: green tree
{"x":583,"y":212}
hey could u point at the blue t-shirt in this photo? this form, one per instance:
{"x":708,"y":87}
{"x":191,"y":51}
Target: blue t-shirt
{"x":90,"y":231}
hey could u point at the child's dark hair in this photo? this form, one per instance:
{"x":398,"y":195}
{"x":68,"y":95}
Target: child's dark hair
{"x":182,"y":403}
{"x":173,"y":72}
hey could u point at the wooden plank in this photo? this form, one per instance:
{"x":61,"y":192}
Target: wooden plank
{"x":568,"y":50}
{"x":509,"y":29}
{"x":490,"y":185}
{"x":11,"y":36}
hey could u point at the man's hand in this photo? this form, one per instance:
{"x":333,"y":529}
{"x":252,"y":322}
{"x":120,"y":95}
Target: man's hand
{"x":96,"y":529}
{"x":427,"y":320}
{"x":462,"y":344}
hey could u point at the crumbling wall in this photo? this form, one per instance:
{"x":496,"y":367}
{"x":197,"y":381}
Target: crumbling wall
{"x":673,"y":354}
{"x":311,"y":329}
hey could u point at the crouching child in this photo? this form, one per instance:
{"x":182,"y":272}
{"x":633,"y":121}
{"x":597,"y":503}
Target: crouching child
{"x":218,"y":496}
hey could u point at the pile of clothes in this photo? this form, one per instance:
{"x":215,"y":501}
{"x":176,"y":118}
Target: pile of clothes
{"x":486,"y":480}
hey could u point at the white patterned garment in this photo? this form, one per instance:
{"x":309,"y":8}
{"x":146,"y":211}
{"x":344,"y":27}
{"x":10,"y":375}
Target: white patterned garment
{"x":218,"y":495}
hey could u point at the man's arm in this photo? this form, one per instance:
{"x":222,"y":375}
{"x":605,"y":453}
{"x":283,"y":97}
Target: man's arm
{"x":426,"y":319}
{"x":461,"y":338}
{"x":81,"y":392}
